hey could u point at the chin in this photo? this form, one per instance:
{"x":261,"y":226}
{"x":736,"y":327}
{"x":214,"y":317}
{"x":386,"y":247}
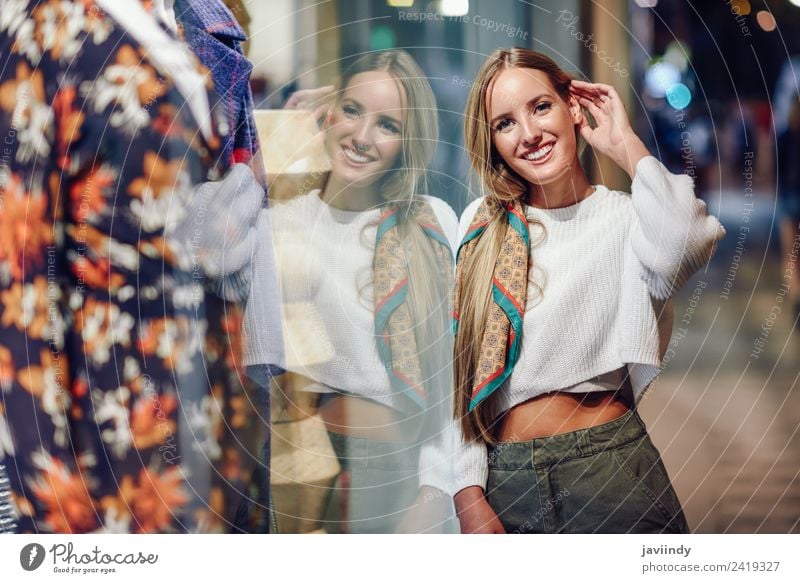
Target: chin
{"x":360,"y":177}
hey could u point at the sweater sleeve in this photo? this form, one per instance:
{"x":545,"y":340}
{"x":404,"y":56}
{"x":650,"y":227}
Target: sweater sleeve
{"x":263,"y":327}
{"x":672,"y":234}
{"x":449,"y":463}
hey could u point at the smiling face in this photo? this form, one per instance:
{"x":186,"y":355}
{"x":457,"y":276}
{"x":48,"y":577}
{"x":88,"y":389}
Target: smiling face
{"x":532,"y":127}
{"x":364,"y":131}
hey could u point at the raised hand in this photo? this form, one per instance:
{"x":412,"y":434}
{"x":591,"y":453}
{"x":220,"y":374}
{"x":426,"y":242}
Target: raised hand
{"x":612,"y":134}
{"x":315,"y":100}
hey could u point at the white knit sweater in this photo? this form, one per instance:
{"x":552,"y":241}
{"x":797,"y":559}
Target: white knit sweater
{"x":607,"y":267}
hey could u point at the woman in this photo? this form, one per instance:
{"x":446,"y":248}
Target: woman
{"x":366,"y":267}
{"x":562,"y":308}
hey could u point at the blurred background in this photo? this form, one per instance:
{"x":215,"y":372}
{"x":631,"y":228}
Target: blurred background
{"x":710,"y":87}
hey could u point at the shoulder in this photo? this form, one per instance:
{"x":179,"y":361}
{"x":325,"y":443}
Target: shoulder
{"x":612,"y":199}
{"x":445,"y":215}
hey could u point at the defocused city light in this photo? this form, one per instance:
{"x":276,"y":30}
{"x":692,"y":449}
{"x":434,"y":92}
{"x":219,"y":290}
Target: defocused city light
{"x":454,"y":7}
{"x":795,"y":2}
{"x":678,"y":53}
{"x":401,"y":3}
{"x":766,"y":20}
{"x":679,"y":96}
{"x":740,"y":6}
{"x":382,"y":38}
{"x":660,"y":77}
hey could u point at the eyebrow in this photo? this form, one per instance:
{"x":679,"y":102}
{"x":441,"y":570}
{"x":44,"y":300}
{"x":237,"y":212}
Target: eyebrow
{"x":531,"y":102}
{"x":383,"y":115}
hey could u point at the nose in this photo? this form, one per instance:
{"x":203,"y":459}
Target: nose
{"x":531,"y":133}
{"x":361,"y":137}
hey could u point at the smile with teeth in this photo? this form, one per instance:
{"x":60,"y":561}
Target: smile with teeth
{"x":355,"y":157}
{"x":540,"y":153}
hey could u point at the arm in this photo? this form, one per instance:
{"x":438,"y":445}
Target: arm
{"x":672,"y":235}
{"x":474,"y":513}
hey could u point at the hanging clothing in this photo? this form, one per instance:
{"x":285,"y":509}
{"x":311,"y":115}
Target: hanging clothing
{"x":216,"y":38}
{"x":121,"y":397}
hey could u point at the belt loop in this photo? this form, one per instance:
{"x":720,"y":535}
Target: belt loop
{"x":584,"y":442}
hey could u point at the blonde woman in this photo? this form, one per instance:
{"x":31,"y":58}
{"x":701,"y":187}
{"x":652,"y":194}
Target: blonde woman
{"x":370,"y":259}
{"x":562,"y":307}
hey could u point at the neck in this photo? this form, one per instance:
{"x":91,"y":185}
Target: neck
{"x":347,"y":197}
{"x":569,"y":189}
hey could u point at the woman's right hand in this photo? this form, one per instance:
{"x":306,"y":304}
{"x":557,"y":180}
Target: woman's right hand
{"x":315,"y":100}
{"x":475,"y":514}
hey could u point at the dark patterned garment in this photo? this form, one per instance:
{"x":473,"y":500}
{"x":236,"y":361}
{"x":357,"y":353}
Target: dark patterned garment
{"x":122,"y":404}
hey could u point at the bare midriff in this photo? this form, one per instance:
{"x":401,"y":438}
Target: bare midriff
{"x":560,"y":412}
{"x":358,"y":417}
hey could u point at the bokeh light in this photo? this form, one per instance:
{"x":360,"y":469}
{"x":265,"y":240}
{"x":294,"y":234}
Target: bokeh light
{"x":766,"y":21}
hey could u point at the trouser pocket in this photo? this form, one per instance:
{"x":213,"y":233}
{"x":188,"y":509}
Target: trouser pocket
{"x":646,"y":474}
{"x":618,"y":490}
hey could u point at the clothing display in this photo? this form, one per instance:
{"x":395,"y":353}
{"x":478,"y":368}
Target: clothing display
{"x":598,"y":295}
{"x":120,"y":394}
{"x":216,"y":38}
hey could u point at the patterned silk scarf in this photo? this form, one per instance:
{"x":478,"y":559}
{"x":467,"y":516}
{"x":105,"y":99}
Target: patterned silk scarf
{"x":502,"y":335}
{"x":394,"y":325}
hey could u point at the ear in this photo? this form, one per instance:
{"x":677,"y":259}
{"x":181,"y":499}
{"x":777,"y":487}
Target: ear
{"x":324,"y":121}
{"x":574,"y":108}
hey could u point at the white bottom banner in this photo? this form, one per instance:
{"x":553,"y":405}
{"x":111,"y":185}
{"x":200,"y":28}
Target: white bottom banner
{"x":354,"y":558}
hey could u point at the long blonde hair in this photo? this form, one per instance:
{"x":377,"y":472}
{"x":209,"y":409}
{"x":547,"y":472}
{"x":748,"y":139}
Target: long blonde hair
{"x":429,"y":288}
{"x":502,"y":185}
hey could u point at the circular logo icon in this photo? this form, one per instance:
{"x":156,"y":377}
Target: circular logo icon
{"x":31,"y":556}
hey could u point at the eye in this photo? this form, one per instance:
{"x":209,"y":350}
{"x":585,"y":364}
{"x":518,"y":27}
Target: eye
{"x":350,"y":111}
{"x":543,"y":106}
{"x":503,"y":125}
{"x":389,"y":126}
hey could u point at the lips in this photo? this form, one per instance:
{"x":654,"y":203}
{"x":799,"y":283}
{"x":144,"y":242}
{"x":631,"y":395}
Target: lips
{"x":354,"y":157}
{"x":539,"y":155}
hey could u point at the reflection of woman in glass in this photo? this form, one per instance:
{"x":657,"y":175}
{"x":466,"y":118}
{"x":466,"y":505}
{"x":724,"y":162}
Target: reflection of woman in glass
{"x":366,"y":270}
{"x":546,"y":388}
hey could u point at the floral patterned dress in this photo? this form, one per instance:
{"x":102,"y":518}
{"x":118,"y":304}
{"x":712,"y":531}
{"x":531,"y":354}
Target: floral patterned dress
{"x":122,"y":406}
